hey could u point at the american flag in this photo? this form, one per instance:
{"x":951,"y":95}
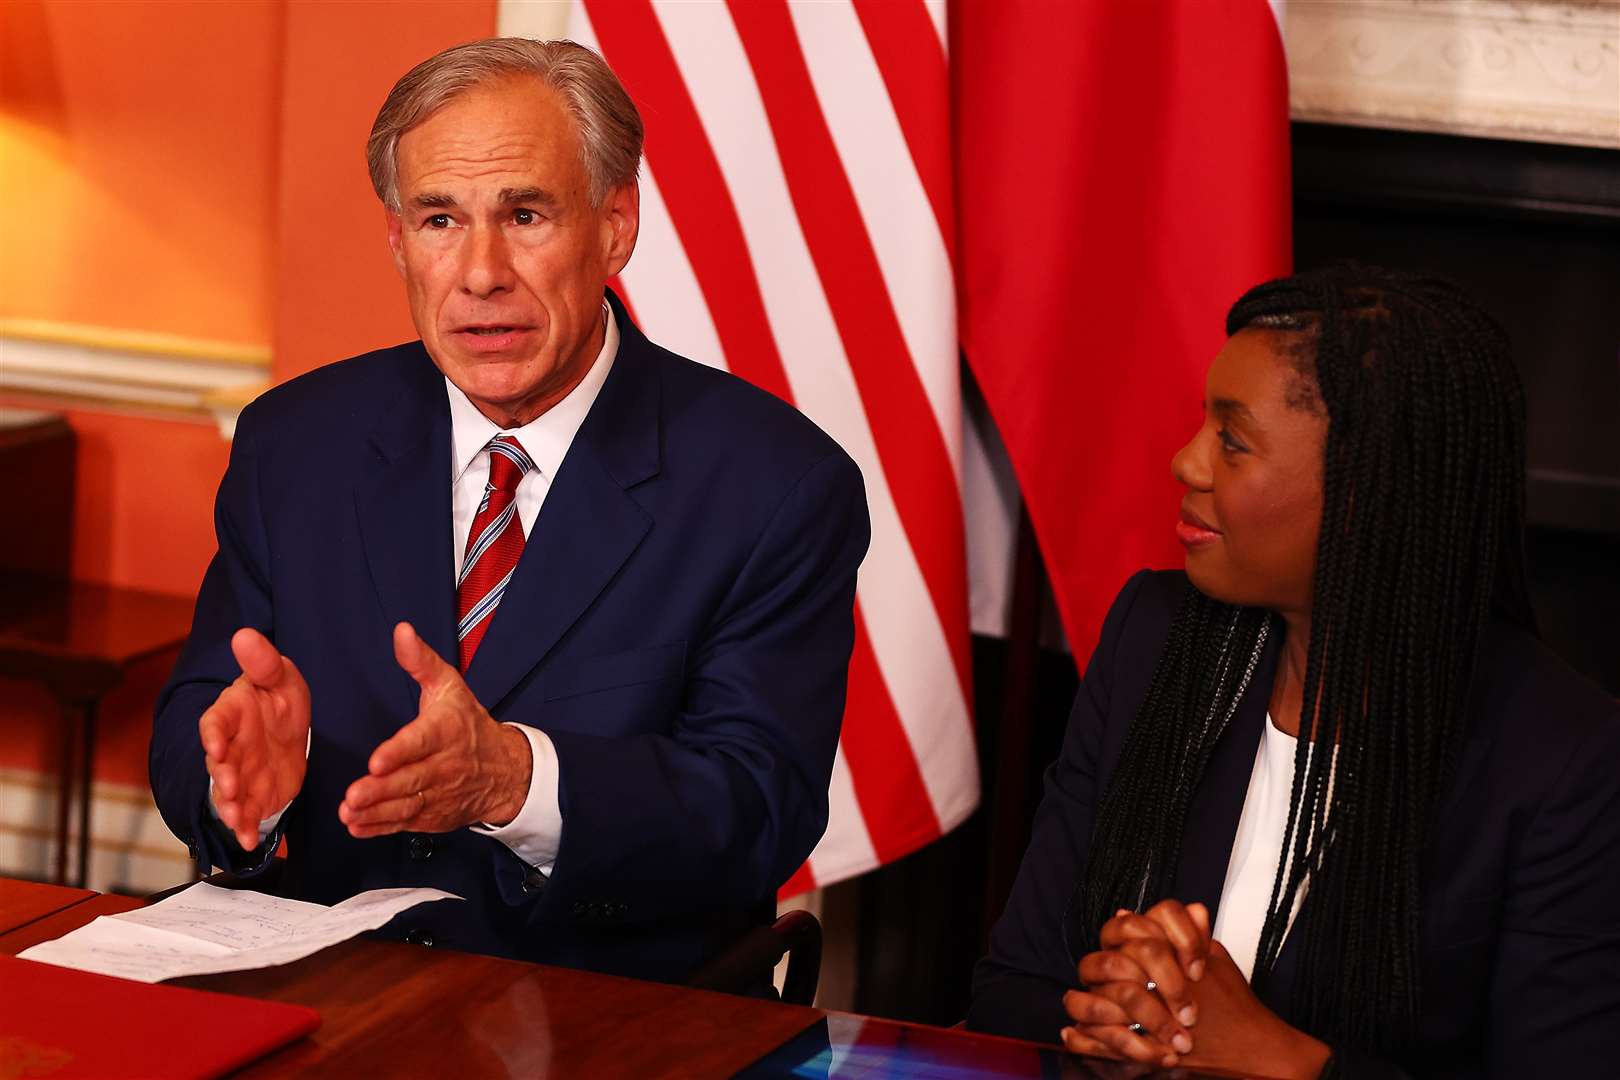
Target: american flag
{"x":797,"y":230}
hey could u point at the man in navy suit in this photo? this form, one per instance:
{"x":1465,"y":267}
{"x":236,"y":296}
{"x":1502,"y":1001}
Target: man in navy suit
{"x":530,"y":610}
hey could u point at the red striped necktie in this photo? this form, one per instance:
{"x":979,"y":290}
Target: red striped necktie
{"x":494,"y":545}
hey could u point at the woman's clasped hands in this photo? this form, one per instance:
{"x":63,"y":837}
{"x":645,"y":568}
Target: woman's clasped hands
{"x":1163,"y":992}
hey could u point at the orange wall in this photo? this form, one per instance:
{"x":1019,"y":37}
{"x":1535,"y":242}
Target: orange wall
{"x":138,"y":141}
{"x":139,"y":148}
{"x":336,"y":291}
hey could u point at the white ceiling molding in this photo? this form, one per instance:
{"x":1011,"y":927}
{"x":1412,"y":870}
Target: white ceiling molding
{"x":1507,"y":69}
{"x":158,"y":374}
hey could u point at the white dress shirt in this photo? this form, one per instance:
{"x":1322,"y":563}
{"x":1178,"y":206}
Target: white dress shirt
{"x":535,"y":834}
{"x":1251,"y":871}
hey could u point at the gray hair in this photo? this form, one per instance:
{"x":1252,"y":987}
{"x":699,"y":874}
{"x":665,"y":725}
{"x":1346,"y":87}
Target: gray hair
{"x":610,"y":130}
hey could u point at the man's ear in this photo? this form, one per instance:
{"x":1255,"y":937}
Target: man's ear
{"x":621,"y":224}
{"x":395,"y":240}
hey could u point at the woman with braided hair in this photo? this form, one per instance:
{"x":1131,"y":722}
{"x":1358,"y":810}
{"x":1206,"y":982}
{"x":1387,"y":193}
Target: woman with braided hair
{"x":1325,"y":805}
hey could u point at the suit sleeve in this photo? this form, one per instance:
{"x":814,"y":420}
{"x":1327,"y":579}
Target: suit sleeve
{"x":721,"y":809}
{"x":235,"y":593}
{"x":1018,"y":988}
{"x":1554,"y":993}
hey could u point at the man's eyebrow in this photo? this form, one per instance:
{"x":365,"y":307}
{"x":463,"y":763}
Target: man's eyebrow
{"x":540,"y":196}
{"x":432,"y":200}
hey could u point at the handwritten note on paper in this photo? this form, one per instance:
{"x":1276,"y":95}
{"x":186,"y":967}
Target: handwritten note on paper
{"x":204,"y":930}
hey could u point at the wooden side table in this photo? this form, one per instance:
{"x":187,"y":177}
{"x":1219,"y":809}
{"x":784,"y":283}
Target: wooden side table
{"x":78,"y":639}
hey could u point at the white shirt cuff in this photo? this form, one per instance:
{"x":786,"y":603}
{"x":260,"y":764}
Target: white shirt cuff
{"x":535,"y":834}
{"x":268,"y":825}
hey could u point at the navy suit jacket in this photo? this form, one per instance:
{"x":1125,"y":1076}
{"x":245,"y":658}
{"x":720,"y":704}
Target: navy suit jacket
{"x":1520,"y":938}
{"x":680,"y":625}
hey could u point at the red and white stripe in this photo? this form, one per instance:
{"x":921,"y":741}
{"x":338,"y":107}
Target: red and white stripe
{"x":797,"y":230}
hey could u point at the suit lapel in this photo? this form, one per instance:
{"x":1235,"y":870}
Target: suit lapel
{"x":404,"y":510}
{"x":588,"y":527}
{"x":1217,"y":804}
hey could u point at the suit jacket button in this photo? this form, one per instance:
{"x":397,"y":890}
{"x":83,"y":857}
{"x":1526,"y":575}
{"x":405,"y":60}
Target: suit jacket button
{"x":419,"y":937}
{"x":421,"y":848}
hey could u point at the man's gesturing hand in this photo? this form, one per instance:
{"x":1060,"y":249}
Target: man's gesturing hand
{"x":452,"y":766}
{"x":255,"y":736}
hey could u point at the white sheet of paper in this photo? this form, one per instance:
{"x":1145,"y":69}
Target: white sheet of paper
{"x":205,"y":929}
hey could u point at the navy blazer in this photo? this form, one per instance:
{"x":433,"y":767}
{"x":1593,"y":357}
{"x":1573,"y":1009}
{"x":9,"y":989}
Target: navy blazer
{"x":1521,"y":916}
{"x":680,"y":624}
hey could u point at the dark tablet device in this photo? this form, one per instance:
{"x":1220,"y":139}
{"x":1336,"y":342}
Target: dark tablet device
{"x":843,"y":1047}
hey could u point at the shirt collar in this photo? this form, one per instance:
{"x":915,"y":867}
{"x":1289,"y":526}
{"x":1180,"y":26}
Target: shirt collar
{"x":548,"y":436}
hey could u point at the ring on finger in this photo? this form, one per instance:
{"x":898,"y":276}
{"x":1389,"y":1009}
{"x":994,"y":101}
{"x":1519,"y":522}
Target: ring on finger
{"x":1152,"y":986}
{"x":1137,"y":1029}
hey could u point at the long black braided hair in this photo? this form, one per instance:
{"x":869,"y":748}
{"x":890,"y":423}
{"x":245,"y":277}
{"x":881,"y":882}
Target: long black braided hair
{"x":1421,"y":538}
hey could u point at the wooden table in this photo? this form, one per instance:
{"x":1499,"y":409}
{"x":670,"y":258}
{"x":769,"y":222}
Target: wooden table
{"x":24,"y":902}
{"x":391,"y":1009}
{"x":78,"y":639}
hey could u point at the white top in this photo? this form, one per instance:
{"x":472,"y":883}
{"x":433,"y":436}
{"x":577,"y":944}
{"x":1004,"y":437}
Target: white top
{"x":535,"y":835}
{"x":1256,"y":850}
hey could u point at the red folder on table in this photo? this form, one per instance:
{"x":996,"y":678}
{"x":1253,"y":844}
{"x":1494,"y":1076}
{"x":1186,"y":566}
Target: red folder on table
{"x":59,"y":1023}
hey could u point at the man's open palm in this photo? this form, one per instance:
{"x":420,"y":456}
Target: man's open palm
{"x":255,"y":736}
